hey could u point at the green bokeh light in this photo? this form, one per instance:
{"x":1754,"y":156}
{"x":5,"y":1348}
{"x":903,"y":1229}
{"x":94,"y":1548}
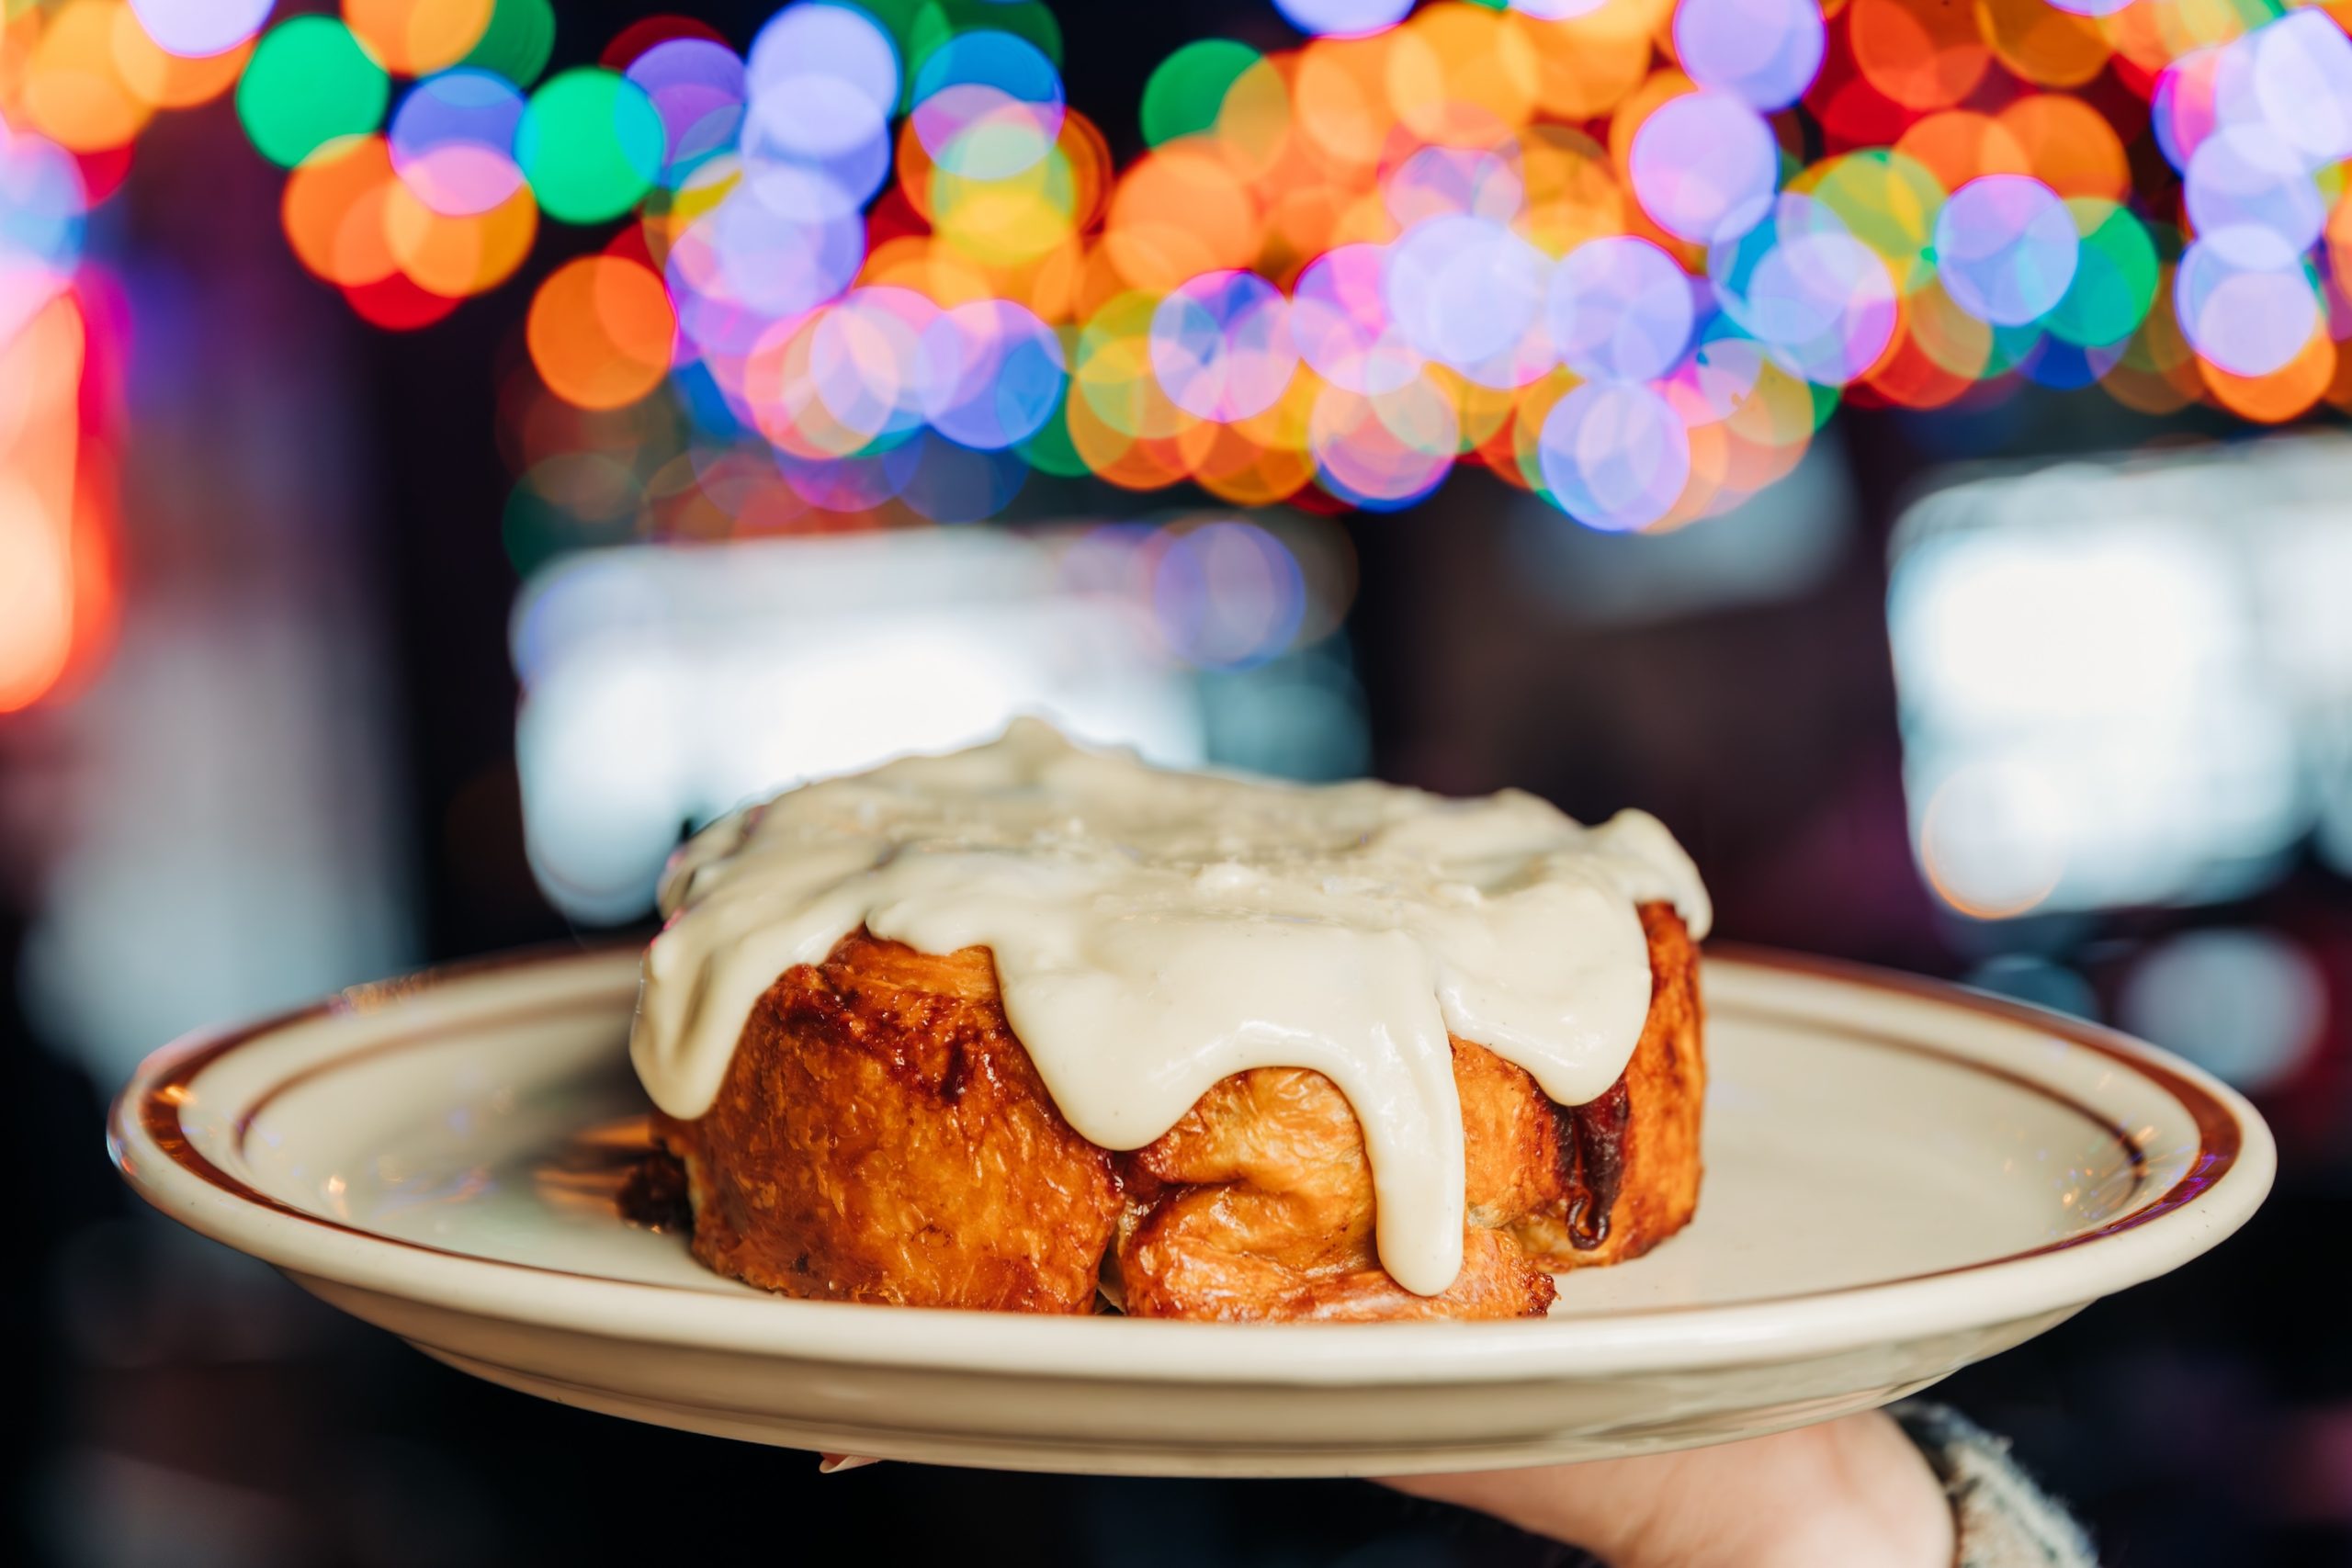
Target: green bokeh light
{"x":1188,"y":89}
{"x":591,"y":143}
{"x":1825,"y":401}
{"x":1051,"y":451}
{"x":516,"y":43}
{"x":309,"y":82}
{"x":2115,"y":276}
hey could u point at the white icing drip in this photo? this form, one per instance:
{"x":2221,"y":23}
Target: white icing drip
{"x":1155,"y":931}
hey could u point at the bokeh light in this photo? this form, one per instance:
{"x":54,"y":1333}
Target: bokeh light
{"x":590,"y":143}
{"x":988,"y":105}
{"x":416,"y":37}
{"x":990,"y":373}
{"x":1221,"y":346}
{"x":1343,"y":19}
{"x":1619,"y":308}
{"x":516,"y":43}
{"x":197,"y":29}
{"x":1920,"y":57}
{"x":2250,"y":321}
{"x":1705,"y":167}
{"x":822,"y":83}
{"x":1186,"y":92}
{"x":2249,"y":195}
{"x":160,"y":79}
{"x":310,"y":83}
{"x":1627,"y":254}
{"x":1341,"y":324}
{"x":2247,"y":1004}
{"x":1384,"y":450}
{"x":810,"y":44}
{"x":2292,"y":77}
{"x":1226,"y":595}
{"x":1615,"y":456}
{"x":2115,"y":275}
{"x":698,"y":88}
{"x":601,"y":331}
{"x":1821,"y":301}
{"x":42,"y":204}
{"x":1468,"y":291}
{"x":453,"y":140}
{"x":2006,"y":248}
{"x":1764,"y":51}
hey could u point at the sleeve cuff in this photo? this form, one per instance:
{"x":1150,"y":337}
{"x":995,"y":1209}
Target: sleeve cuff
{"x":2005,"y":1519}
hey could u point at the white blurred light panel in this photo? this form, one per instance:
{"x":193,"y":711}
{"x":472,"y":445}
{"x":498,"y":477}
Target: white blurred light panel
{"x":664,"y":685}
{"x":2127,"y":681}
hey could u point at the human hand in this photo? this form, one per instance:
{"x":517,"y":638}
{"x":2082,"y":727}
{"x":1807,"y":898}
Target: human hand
{"x":1853,"y":1492}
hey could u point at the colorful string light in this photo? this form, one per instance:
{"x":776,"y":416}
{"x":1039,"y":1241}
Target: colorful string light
{"x":879,"y":260}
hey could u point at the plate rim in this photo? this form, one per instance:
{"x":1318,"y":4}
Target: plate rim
{"x":2225,"y":1182}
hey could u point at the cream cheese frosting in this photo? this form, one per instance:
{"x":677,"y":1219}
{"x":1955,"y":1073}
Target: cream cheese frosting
{"x":1155,"y":931}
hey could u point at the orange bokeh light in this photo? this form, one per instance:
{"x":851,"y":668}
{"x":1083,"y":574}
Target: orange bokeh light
{"x":1959,"y":145}
{"x":1921,"y":53}
{"x":1180,"y":211}
{"x":2041,"y":44}
{"x":455,"y":257}
{"x":1584,"y":65}
{"x":166,"y":81}
{"x":1460,"y":75}
{"x":55,"y":591}
{"x":416,"y":37}
{"x":2067,"y":145}
{"x":334,"y":211}
{"x":2282,"y":394}
{"x":74,"y":89}
{"x":1339,"y":96}
{"x":601,"y":331}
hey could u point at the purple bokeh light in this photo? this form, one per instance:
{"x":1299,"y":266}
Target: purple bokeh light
{"x":1705,"y":167}
{"x":989,"y":374}
{"x":698,"y":89}
{"x":1339,"y":322}
{"x":452,"y":141}
{"x":1221,"y":346}
{"x":1618,"y":309}
{"x":2250,"y":197}
{"x":1765,"y":52}
{"x":1343,"y":19}
{"x":2248,"y":321}
{"x":1465,"y":290}
{"x":1615,"y":456}
{"x":2006,"y":249}
{"x":196,"y":29}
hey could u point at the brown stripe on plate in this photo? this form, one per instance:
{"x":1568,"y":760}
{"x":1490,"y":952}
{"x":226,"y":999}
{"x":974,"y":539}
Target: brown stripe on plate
{"x":2220,"y":1139}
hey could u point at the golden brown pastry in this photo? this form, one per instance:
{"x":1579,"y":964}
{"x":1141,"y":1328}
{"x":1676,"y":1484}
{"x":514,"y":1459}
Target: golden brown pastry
{"x":881,"y":1136}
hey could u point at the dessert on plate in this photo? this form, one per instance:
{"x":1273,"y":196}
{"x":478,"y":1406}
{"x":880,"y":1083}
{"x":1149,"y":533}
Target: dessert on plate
{"x":1036,"y":1028}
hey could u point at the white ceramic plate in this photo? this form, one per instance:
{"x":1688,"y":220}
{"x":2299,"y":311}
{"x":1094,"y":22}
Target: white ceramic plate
{"x":1902,"y":1177}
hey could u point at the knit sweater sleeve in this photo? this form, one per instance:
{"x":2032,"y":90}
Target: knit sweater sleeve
{"x":2005,"y":1518}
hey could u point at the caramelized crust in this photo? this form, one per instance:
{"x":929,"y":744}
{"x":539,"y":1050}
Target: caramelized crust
{"x":882,"y":1137}
{"x":1258,"y":1203}
{"x":1664,"y":1090}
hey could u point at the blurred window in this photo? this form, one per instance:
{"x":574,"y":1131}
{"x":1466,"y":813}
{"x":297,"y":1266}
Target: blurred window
{"x":2127,"y":681}
{"x":664,"y":685}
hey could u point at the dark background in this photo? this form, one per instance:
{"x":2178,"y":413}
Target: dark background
{"x":183,"y":1406}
